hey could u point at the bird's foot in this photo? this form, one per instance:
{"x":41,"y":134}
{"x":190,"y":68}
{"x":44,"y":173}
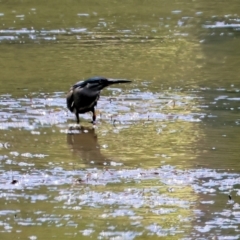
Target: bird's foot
{"x":93,"y":122}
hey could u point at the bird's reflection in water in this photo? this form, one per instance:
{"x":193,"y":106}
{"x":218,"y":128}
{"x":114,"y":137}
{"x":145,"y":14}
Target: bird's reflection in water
{"x":84,"y":143}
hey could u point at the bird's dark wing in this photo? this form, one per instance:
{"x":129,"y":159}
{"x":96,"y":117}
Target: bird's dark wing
{"x":80,"y":84}
{"x":70,"y":95}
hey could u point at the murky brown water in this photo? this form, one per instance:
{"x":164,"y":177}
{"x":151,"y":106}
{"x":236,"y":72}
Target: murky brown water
{"x":164,"y":155}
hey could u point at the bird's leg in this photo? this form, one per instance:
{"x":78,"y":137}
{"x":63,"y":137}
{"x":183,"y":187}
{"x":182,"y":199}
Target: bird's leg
{"x":75,"y":126}
{"x":77,"y":116}
{"x":94,"y":116}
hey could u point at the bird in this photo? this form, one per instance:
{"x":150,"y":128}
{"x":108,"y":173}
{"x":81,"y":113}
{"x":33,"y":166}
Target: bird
{"x":84,"y":95}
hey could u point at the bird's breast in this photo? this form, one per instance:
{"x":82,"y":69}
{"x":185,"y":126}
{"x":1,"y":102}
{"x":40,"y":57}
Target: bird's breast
{"x":85,"y":100}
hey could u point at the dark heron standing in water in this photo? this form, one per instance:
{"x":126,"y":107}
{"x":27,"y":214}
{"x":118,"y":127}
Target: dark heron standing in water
{"x":83,"y":95}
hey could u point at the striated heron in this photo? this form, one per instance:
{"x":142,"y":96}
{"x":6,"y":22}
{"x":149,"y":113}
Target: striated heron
{"x":83,"y":95}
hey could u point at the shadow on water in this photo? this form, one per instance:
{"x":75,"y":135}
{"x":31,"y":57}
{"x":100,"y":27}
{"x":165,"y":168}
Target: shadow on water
{"x":83,"y":142}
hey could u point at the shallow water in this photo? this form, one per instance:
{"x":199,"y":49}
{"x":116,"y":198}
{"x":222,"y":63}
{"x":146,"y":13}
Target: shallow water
{"x":162,"y":160}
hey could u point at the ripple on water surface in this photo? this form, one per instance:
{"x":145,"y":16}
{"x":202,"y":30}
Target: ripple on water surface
{"x":36,"y":112}
{"x":115,"y":201}
{"x":166,"y":194}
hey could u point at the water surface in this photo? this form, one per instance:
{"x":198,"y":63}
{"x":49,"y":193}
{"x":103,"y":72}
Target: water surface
{"x":163,"y":158}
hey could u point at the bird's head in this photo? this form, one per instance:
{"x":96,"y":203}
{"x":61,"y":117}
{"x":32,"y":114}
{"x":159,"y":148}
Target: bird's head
{"x":98,"y":83}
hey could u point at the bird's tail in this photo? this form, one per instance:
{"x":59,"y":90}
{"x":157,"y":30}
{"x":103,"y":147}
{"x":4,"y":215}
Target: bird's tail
{"x":70,"y":101}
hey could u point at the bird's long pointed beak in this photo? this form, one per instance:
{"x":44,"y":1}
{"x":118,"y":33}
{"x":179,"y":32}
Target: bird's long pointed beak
{"x":116,"y":81}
